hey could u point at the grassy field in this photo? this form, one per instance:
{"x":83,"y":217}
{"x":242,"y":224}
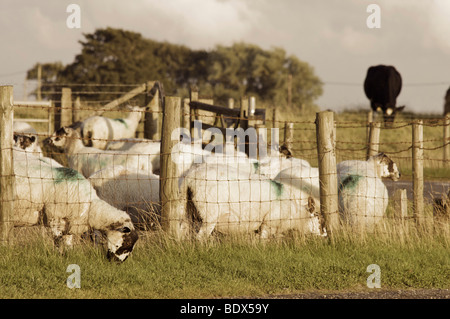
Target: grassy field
{"x":161,"y":268}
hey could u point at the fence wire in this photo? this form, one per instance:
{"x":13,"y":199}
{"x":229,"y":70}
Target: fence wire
{"x":227,"y":193}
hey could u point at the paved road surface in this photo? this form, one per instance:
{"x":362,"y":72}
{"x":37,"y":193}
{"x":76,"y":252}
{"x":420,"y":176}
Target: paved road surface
{"x":430,"y":189}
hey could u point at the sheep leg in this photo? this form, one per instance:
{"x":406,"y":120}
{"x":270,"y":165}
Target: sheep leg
{"x":263,"y":231}
{"x":205,"y":231}
{"x":209,"y":214}
{"x":59,"y":228}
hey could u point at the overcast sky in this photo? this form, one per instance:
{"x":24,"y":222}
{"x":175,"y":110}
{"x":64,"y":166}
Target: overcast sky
{"x":331,"y":35}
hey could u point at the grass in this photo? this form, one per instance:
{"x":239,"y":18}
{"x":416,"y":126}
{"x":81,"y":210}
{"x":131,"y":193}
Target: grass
{"x":161,"y":268}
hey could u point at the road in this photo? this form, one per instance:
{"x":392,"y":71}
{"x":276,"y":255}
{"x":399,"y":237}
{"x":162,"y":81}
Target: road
{"x":434,"y":189}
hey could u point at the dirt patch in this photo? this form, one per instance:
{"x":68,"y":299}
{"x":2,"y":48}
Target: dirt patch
{"x":372,"y":294}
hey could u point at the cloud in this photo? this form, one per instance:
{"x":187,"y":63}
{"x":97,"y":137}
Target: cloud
{"x":331,"y":35}
{"x":439,"y":17}
{"x":196,"y":23}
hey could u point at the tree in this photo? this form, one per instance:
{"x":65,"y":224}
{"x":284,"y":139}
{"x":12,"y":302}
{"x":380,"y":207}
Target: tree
{"x":49,"y":75}
{"x":246,"y":69}
{"x":115,"y":56}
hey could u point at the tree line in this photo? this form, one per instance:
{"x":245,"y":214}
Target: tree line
{"x":113,"y":56}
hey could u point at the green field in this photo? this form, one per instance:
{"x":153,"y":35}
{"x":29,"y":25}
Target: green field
{"x":161,"y":268}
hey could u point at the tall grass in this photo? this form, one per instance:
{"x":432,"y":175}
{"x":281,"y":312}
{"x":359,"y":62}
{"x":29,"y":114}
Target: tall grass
{"x":409,"y":255}
{"x":160,"y":267}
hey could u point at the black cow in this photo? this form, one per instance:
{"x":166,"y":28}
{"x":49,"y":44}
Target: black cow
{"x":382,"y":85}
{"x":447,"y":103}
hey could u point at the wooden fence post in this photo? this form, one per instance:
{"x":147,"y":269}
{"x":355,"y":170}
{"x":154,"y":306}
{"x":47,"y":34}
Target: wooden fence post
{"x":172,"y":208}
{"x":261,"y":133}
{"x":230,"y":103}
{"x":244,"y":113}
{"x":193,"y":96}
{"x":275,"y":118}
{"x":7,"y":181}
{"x":400,"y":204}
{"x":447,"y":140}
{"x":374,"y":139}
{"x":186,"y":115}
{"x":76,"y":116}
{"x":288,"y":135}
{"x":326,"y":151}
{"x":39,"y":82}
{"x":369,"y":120}
{"x":51,"y":118}
{"x":65,"y":112}
{"x":417,"y":152}
{"x":151,"y":122}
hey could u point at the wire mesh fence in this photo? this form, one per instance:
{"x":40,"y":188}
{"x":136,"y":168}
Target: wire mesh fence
{"x":300,"y":178}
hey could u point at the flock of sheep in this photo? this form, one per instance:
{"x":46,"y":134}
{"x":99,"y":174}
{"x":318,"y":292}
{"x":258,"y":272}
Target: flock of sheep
{"x":111,"y":185}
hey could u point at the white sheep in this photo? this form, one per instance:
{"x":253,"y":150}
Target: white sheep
{"x":271,"y":166}
{"x":139,"y":146}
{"x":63,"y":200}
{"x":234,"y":201}
{"x":97,"y":130}
{"x":27,"y":143}
{"x":305,"y":178}
{"x":26,"y":137}
{"x":152,"y":149}
{"x":136,"y":192}
{"x":186,"y":155}
{"x":363,"y":197}
{"x":88,"y":160}
{"x":123,"y":144}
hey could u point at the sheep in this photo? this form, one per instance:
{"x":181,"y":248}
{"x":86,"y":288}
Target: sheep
{"x":97,"y":130}
{"x":301,"y":177}
{"x":233,"y":201}
{"x":273,"y":165}
{"x":187,"y":155}
{"x":27,"y":143}
{"x":88,"y":160}
{"x":26,"y":137}
{"x":278,"y":159}
{"x":24,"y":127}
{"x":145,"y":147}
{"x":61,"y":199}
{"x":139,"y":146}
{"x":363,"y":197}
{"x":123,"y":144}
{"x":136,"y":192}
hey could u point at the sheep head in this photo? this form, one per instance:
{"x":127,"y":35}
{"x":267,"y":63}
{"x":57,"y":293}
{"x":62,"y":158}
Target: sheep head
{"x":385,"y":166}
{"x":59,"y":139}
{"x":121,"y":240}
{"x":25,"y":142}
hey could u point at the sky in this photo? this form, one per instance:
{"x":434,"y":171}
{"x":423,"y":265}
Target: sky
{"x":331,"y":35}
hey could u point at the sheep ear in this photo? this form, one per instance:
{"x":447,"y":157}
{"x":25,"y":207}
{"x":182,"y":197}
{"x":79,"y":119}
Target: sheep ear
{"x":379,"y":156}
{"x":32,"y":138}
{"x":285,"y":151}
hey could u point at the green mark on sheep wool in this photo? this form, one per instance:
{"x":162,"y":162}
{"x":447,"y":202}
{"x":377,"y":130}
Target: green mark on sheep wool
{"x":350,"y":182}
{"x":278,"y":187}
{"x":122,"y":121}
{"x":256,"y":167}
{"x":66,"y":174}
